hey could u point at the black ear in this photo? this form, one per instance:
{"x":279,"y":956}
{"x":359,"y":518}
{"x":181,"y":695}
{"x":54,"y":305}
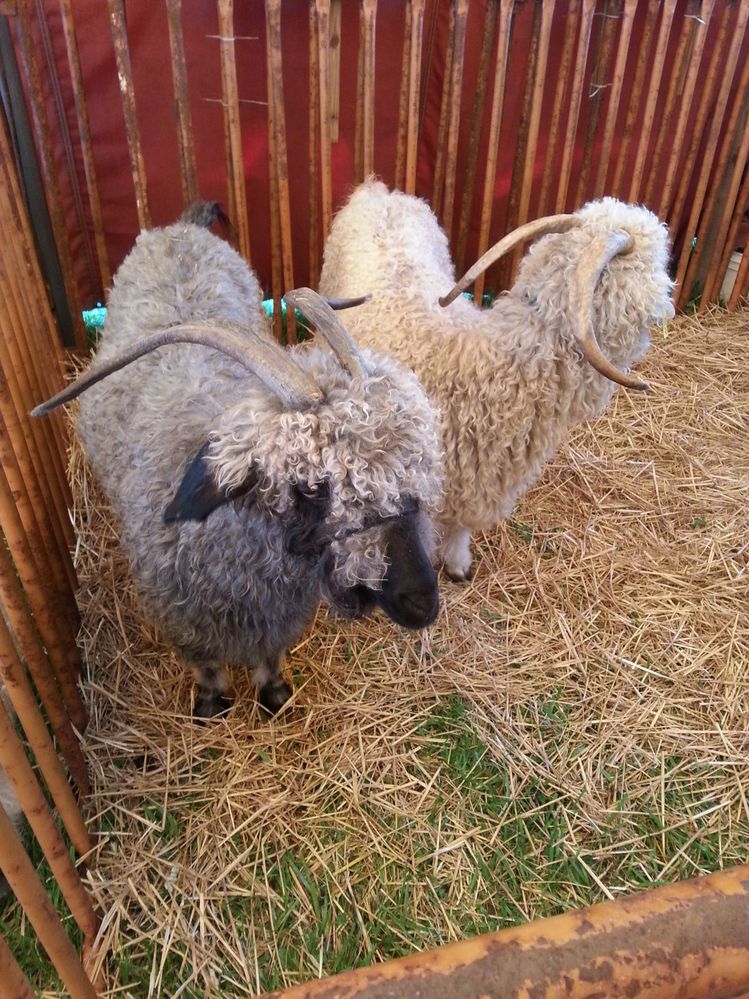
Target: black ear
{"x":199,"y":493}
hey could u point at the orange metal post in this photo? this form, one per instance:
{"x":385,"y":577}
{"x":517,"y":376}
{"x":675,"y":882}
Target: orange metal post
{"x":15,"y":984}
{"x":187,"y":171}
{"x":578,"y":79}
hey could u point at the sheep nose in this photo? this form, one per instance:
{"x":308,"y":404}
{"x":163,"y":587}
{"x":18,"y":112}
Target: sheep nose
{"x":424,"y":605}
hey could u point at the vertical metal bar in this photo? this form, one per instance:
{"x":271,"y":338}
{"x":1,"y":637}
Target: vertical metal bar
{"x":414,"y":91}
{"x":542,"y":58}
{"x":643,"y":58}
{"x":709,"y":85}
{"x":742,"y":204}
{"x":720,"y":203}
{"x":314,"y":153}
{"x":678,"y":72}
{"x":359,"y":115}
{"x":187,"y":170}
{"x":572,"y":19}
{"x":708,"y":154}
{"x":654,"y":84}
{"x":127,"y":92}
{"x":276,"y":265}
{"x":441,"y":153}
{"x":22,"y":627}
{"x":498,"y":95}
{"x":322,"y":10}
{"x":586,"y":23}
{"x":477,"y":117}
{"x":453,"y":128}
{"x":232,"y":127}
{"x":741,"y":286}
{"x":676,"y":161}
{"x":400,"y":148}
{"x":280,"y":163}
{"x":26,"y":707}
{"x":369,"y":18}
{"x":31,"y":799}
{"x":14,"y":981}
{"x":84,"y":129}
{"x":601,"y":71}
{"x":49,"y":171}
{"x":28,"y":889}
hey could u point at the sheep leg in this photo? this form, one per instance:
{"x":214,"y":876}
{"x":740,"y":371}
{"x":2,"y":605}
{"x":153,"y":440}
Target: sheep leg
{"x":273,"y":691}
{"x":215,"y":695}
{"x":456,"y":554}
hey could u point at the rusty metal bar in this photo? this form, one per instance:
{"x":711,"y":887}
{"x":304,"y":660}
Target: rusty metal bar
{"x":28,"y":889}
{"x":565,"y":69}
{"x":441,"y":153}
{"x":14,"y":981}
{"x":84,"y":130}
{"x":118,"y":25}
{"x":232,"y":127}
{"x":187,"y":170}
{"x":498,"y":94}
{"x":477,"y":117}
{"x":400,"y":146}
{"x":368,"y":17}
{"x":31,"y":798}
{"x":20,"y":623}
{"x":599,"y":81}
{"x":643,"y":59}
{"x":414,"y":90}
{"x":578,"y":77}
{"x":26,"y":707}
{"x":542,"y":58}
{"x":709,"y":86}
{"x":276,"y":265}
{"x":453,"y":128}
{"x":654,"y":83}
{"x":359,"y":111}
{"x":708,"y":154}
{"x":322,"y":12}
{"x":678,"y":72}
{"x":723,"y":202}
{"x":741,"y":286}
{"x":314,"y":153}
{"x":676,"y":163}
{"x":279,"y":161}
{"x":687,"y":939}
{"x":30,"y":68}
{"x":741,"y":206}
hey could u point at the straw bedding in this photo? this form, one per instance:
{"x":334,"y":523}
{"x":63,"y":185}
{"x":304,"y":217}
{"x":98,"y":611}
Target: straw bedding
{"x":574,"y":727}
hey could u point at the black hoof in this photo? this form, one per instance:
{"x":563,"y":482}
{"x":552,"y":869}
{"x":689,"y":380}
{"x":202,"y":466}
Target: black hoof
{"x":211,"y":705}
{"x":273,"y":696}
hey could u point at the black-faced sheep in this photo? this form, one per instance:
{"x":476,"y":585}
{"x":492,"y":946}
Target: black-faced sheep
{"x":510,"y":380}
{"x":250,"y":481}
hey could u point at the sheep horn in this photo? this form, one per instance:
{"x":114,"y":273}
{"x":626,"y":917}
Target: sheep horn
{"x":266,"y":360}
{"x":327,"y":323}
{"x":345,"y":303}
{"x":531,"y":230}
{"x":592,"y":264}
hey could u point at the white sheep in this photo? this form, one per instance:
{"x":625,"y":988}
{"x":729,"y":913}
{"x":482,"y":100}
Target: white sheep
{"x":251,"y":481}
{"x":510,"y":380}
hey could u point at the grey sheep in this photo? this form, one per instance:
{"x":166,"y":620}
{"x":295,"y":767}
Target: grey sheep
{"x":252,"y":482}
{"x":510,"y":380}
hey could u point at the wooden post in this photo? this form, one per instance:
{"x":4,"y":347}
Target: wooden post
{"x":127,"y":92}
{"x":84,"y":130}
{"x":187,"y":170}
{"x":28,"y":889}
{"x":25,"y":705}
{"x":600,"y":78}
{"x":578,"y":79}
{"x":31,"y":798}
{"x":643,"y":59}
{"x":654,"y":84}
{"x":676,"y":162}
{"x":688,"y":939}
{"x":498,"y":95}
{"x":232,"y":127}
{"x":477,"y":117}
{"x":571,"y":22}
{"x":708,"y":153}
{"x":30,"y":67}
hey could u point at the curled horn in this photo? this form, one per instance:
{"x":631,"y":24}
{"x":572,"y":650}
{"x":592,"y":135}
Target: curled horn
{"x":265,"y":359}
{"x":328,"y":325}
{"x":592,"y":264}
{"x":345,"y":303}
{"x":531,"y":230}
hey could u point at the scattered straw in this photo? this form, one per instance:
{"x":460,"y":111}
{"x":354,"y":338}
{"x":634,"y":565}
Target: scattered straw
{"x":574,"y":727}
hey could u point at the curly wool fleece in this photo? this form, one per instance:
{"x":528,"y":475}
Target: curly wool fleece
{"x":510,"y":381}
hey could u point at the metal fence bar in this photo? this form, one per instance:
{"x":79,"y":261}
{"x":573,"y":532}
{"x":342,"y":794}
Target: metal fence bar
{"x":741,"y":286}
{"x":605,"y":78}
{"x":578,"y":79}
{"x":232,"y":127}
{"x":368,"y":19}
{"x":187,"y":169}
{"x":453,"y":120}
{"x":314,"y":153}
{"x":400,"y":145}
{"x":14,"y":981}
{"x":118,"y":26}
{"x":741,"y":205}
{"x":440,"y":159}
{"x":322,"y":16}
{"x":414,"y":94}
